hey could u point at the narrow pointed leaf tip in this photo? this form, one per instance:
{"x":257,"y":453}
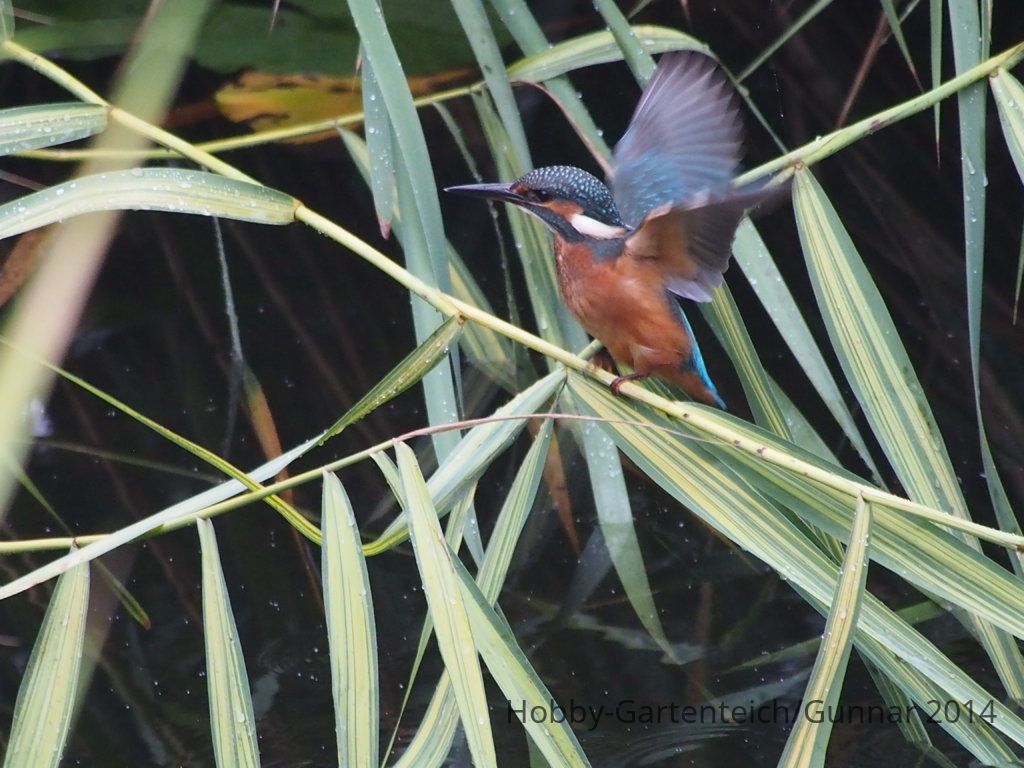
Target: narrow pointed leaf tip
{"x":232,"y":722}
{"x":410,"y":370}
{"x":148,"y":189}
{"x":351,"y":631}
{"x":808,"y":740}
{"x":447,"y":610}
{"x":46,"y":699}
{"x":46,"y":125}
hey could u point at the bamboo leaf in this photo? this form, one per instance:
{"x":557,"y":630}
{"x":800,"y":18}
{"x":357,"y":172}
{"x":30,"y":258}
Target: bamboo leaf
{"x":46,"y":125}
{"x":889,"y":8}
{"x":1009,"y":96}
{"x":379,"y":145}
{"x":410,"y":370}
{"x":518,"y":681}
{"x":172,"y":516}
{"x":763,"y":274}
{"x":935,"y":560}
{"x":493,"y":353}
{"x":46,"y":698}
{"x":423,"y":243}
{"x":434,"y":735}
{"x":639,"y":60}
{"x":286,"y":510}
{"x":808,"y":740}
{"x":724,"y":318}
{"x":731,"y":506}
{"x":935,"y":58}
{"x":474,"y":454}
{"x":148,"y":189}
{"x":231,"y":717}
{"x":6,"y":20}
{"x":351,"y":631}
{"x":519,"y":20}
{"x":412,"y":152}
{"x":447,"y":609}
{"x":880,"y":373}
{"x":478,"y":31}
{"x":597,"y":48}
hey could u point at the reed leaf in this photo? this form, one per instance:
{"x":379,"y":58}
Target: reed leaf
{"x":232,"y":721}
{"x":809,"y":739}
{"x":46,"y":125}
{"x":148,"y":189}
{"x":447,"y":609}
{"x":48,"y":693}
{"x":351,"y":631}
{"x":880,"y":373}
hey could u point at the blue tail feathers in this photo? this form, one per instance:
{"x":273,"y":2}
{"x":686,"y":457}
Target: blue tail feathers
{"x":696,"y":361}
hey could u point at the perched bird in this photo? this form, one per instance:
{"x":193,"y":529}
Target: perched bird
{"x":664,"y":230}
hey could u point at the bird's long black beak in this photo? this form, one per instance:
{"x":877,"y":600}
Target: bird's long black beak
{"x":487,"y":191}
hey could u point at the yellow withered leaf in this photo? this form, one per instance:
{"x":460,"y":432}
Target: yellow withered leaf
{"x":267,"y":101}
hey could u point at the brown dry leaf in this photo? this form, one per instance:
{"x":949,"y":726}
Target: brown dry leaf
{"x":267,"y":101}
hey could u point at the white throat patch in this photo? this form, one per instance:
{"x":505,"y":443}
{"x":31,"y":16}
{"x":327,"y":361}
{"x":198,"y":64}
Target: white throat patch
{"x":594,"y":228}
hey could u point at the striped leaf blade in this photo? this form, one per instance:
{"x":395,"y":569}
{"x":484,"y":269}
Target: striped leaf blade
{"x":46,"y":125}
{"x":447,"y":609}
{"x":351,"y":631}
{"x":881,"y":375}
{"x":173,"y":190}
{"x":46,"y":699}
{"x":809,"y":739}
{"x":232,"y":722}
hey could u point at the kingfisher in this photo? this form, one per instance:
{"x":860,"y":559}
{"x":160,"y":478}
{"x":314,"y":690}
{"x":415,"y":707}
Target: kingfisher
{"x":660,"y":231}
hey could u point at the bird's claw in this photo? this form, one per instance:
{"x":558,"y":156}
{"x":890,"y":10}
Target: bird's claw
{"x":618,"y":381}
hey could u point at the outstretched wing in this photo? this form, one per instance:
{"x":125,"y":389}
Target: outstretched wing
{"x":691,"y":243}
{"x":685,"y":137}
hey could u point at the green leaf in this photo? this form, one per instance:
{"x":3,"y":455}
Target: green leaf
{"x":808,"y":740}
{"x":447,"y":609}
{"x":517,"y":679}
{"x":175,"y":516}
{"x":46,"y":125}
{"x":380,"y":146}
{"x":880,"y":373}
{"x":1009,"y":97}
{"x":351,"y":631}
{"x":473,"y":454}
{"x":753,"y":257}
{"x":636,"y":57}
{"x":597,"y":48}
{"x":231,"y":717}
{"x":148,"y":189}
{"x":708,"y":486}
{"x":519,"y":20}
{"x":410,"y":370}
{"x":492,"y":352}
{"x":46,"y":698}
{"x":433,"y":738}
{"x":481,"y":37}
{"x":724,"y":318}
{"x":889,"y":8}
{"x":6,"y":20}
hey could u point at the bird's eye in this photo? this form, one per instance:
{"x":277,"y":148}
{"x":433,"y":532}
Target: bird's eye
{"x":540,"y":196}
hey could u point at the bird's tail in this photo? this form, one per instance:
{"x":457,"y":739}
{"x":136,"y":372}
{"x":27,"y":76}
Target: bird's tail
{"x":692,"y":375}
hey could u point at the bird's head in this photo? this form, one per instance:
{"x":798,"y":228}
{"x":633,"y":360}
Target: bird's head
{"x":573,"y":203}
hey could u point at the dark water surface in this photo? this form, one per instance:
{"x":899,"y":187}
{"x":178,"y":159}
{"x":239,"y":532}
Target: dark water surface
{"x":319,"y":326}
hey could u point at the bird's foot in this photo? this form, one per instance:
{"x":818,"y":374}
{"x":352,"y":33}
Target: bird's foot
{"x":601,"y":361}
{"x":620,"y":380}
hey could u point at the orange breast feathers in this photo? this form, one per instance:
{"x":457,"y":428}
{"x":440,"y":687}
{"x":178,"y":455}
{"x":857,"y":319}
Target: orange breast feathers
{"x":623,"y":302}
